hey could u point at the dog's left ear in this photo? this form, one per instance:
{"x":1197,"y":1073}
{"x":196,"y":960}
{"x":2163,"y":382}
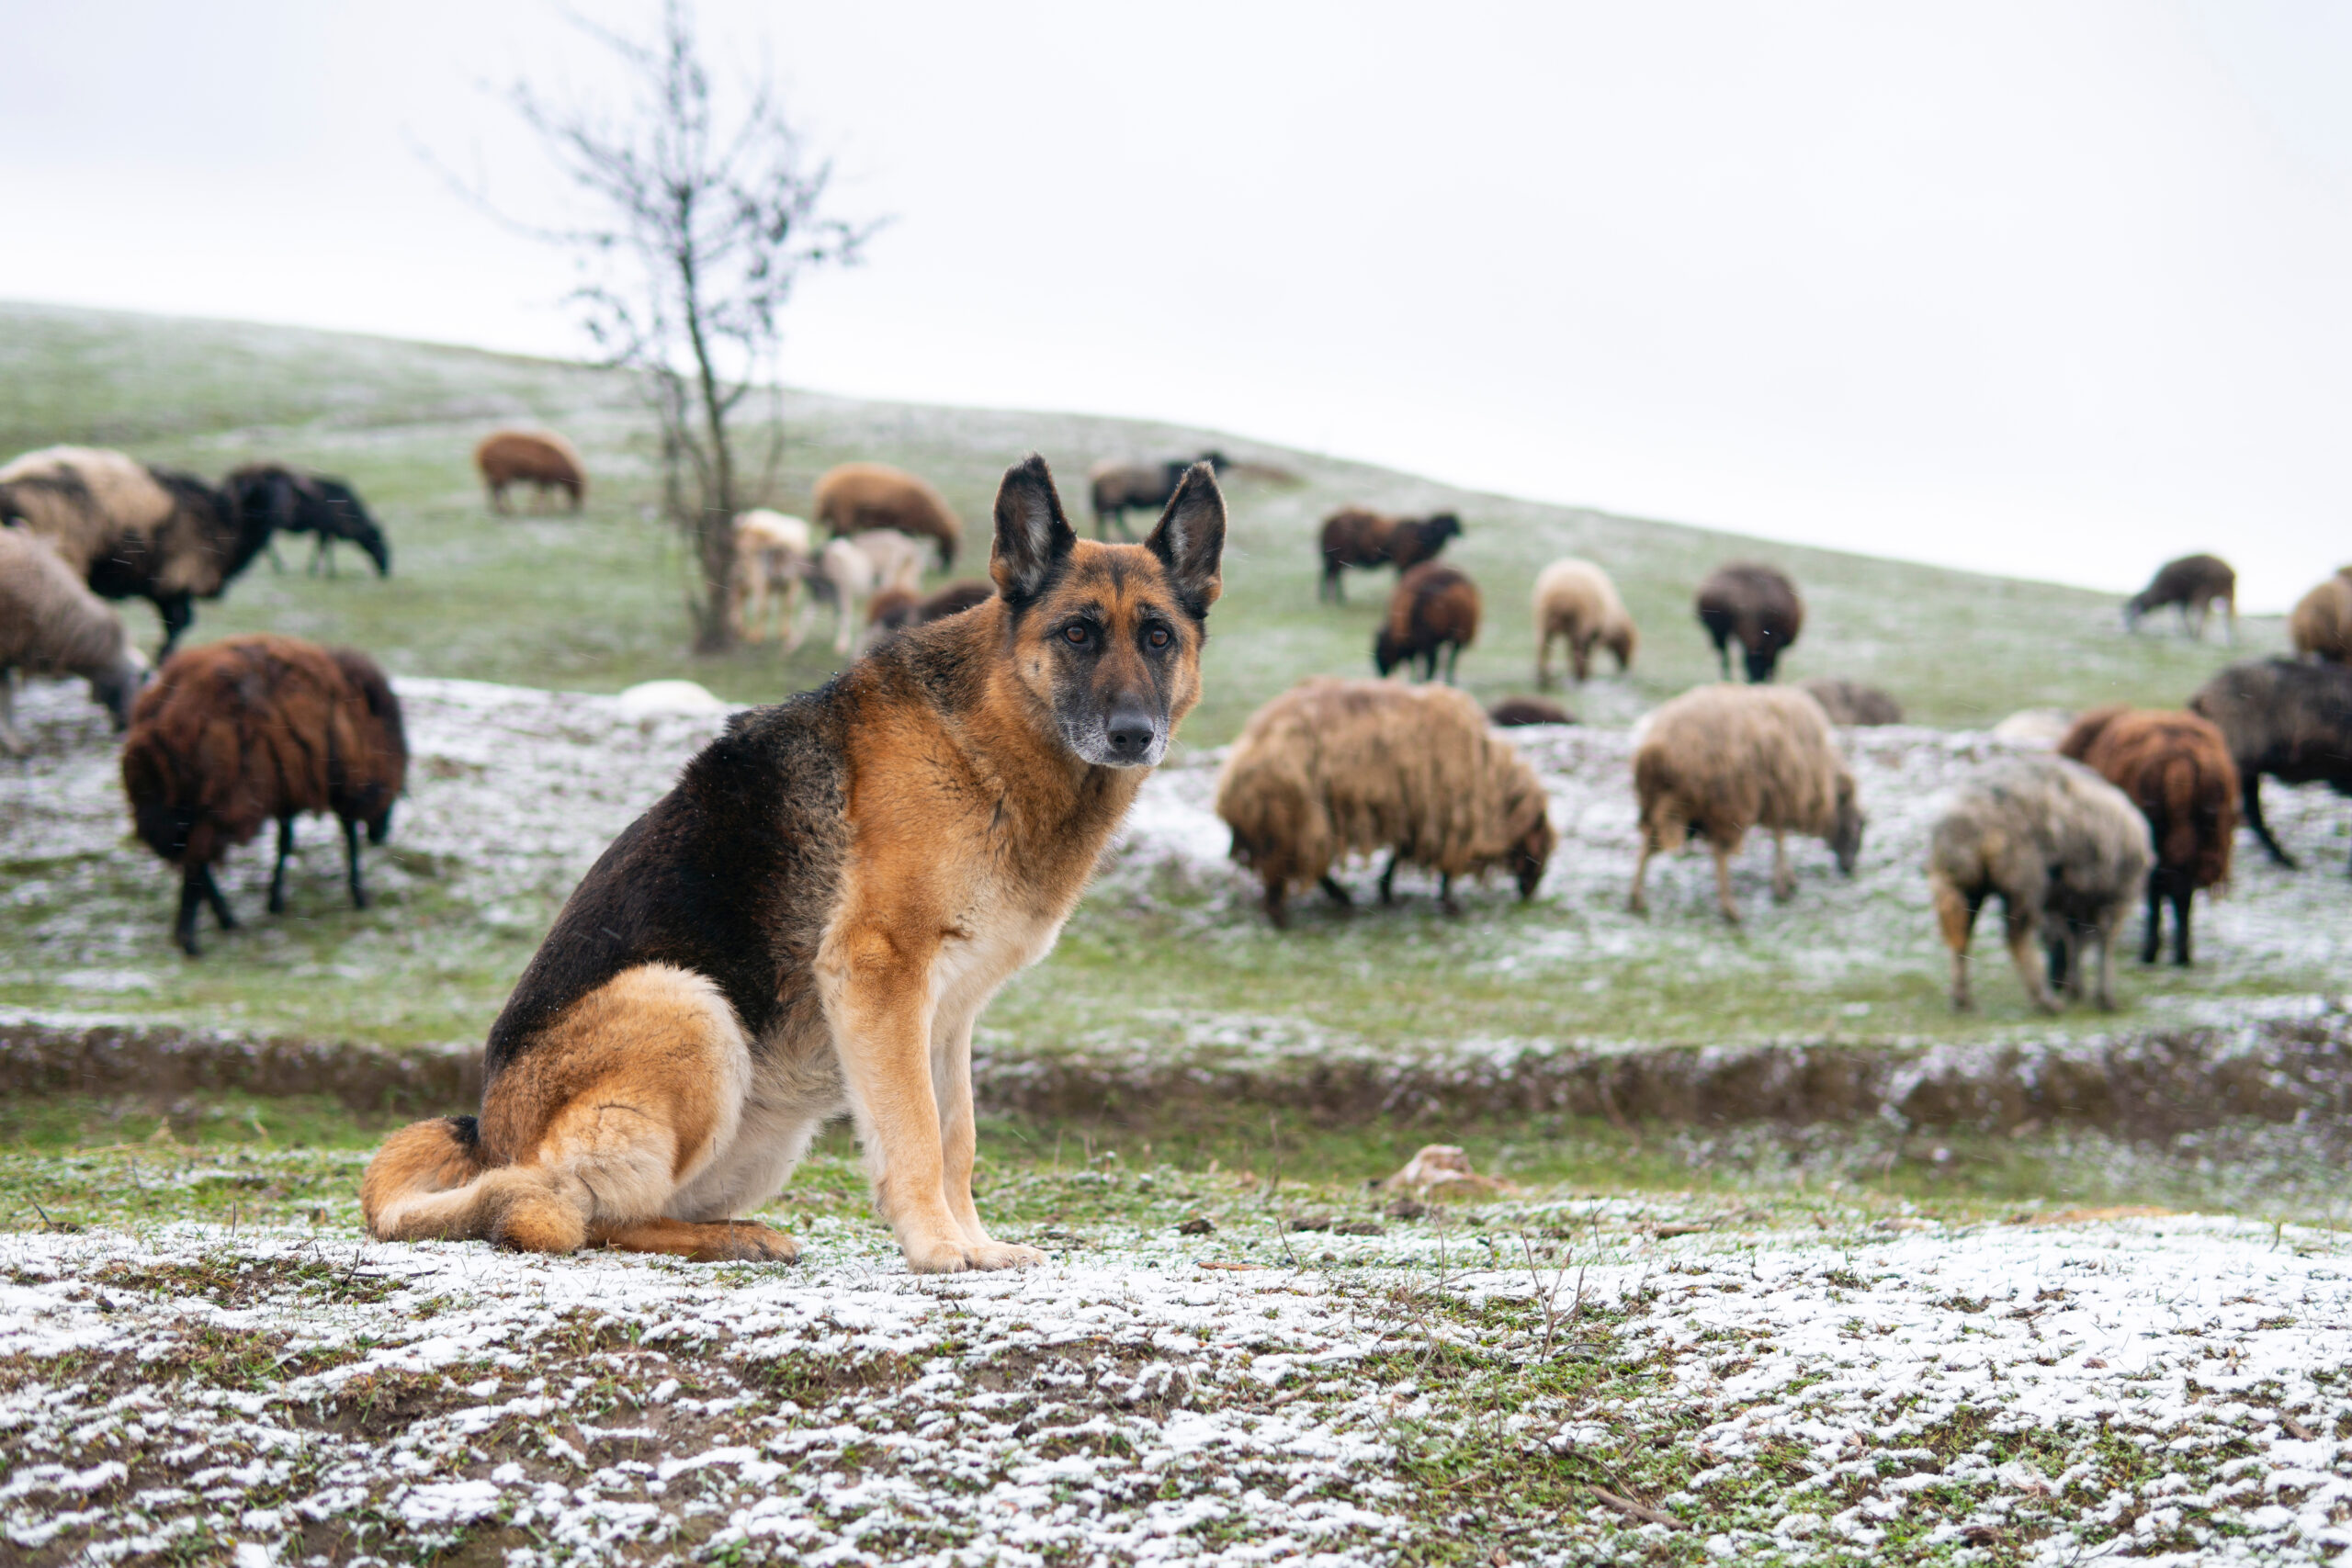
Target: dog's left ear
{"x":1190,"y":540}
{"x":1033,"y":537}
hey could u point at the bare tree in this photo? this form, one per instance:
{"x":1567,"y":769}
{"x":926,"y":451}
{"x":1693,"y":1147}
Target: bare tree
{"x":699,"y":222}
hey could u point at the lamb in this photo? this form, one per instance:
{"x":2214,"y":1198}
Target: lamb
{"x":539,"y":458}
{"x":327,"y":509}
{"x":1355,"y":536}
{"x":52,"y":624}
{"x":2194,"y":583}
{"x":895,"y":609}
{"x":1433,"y":607}
{"x":856,"y":498}
{"x":130,"y":529}
{"x":1851,"y":701}
{"x":2321,"y":627}
{"x":1116,"y":485}
{"x":2065,"y":851}
{"x":2285,"y":718}
{"x":772,"y":553}
{"x":1577,"y":602}
{"x":234,"y":733}
{"x":1334,"y":767}
{"x":847,"y":571}
{"x":1513,"y":713}
{"x":1755,"y":606}
{"x":1718,"y":760}
{"x":2176,"y":768}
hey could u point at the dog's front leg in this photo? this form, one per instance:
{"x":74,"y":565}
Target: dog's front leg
{"x":960,"y":1143}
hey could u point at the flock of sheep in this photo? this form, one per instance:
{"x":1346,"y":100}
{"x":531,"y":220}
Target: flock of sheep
{"x":2131,"y":805}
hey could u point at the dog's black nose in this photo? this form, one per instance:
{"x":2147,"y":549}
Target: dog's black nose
{"x":1130,"y":734}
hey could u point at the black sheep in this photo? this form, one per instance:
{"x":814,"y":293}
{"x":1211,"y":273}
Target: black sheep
{"x":2285,"y":718}
{"x":326,"y":508}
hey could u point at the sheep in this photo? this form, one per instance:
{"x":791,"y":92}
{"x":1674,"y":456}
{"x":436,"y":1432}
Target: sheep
{"x":2192,"y":582}
{"x":539,"y":458}
{"x":1755,"y":606}
{"x":326,"y":508}
{"x":1116,"y":485}
{"x":1433,"y":607}
{"x":857,"y":497}
{"x":1334,"y":767}
{"x":1851,"y":701}
{"x":1355,"y":536}
{"x":895,"y":609}
{"x":131,"y":529}
{"x":772,"y":557}
{"x":847,"y":571}
{"x":2288,"y":719}
{"x":1512,"y":712}
{"x":2065,"y":851}
{"x":1577,"y":602}
{"x":234,"y":733}
{"x":2176,"y":768}
{"x":891,"y":610}
{"x":2321,"y":627}
{"x":52,"y":624}
{"x":1718,"y":760}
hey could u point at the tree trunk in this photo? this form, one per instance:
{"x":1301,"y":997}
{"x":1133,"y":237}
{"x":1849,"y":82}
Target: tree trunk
{"x":714,"y":525}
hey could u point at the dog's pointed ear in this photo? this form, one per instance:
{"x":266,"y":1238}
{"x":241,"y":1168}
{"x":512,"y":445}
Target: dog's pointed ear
{"x":1033,"y":537}
{"x":1190,"y":540}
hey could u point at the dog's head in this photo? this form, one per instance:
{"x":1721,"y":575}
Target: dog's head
{"x":1107,"y":638}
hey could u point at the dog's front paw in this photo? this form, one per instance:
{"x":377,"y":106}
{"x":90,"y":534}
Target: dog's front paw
{"x":741,"y":1241}
{"x":953,"y":1256}
{"x":1003,"y":1255}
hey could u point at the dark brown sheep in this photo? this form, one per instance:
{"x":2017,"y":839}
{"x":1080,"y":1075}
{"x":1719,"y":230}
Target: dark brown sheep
{"x":2290,"y":720}
{"x":539,"y":458}
{"x":1116,"y":485}
{"x":856,"y":498}
{"x":1755,"y":606}
{"x":953,"y":600}
{"x":2176,"y":769}
{"x":1851,"y":701}
{"x":892,"y":609}
{"x":2194,"y":583}
{"x":1512,"y":712}
{"x":1434,"y":607}
{"x":1359,"y":537}
{"x":235,"y":733}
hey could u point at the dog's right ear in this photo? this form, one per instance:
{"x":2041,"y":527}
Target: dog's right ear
{"x":1033,"y":537}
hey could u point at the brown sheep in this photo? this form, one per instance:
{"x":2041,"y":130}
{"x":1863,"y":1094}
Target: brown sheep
{"x":1755,"y":606}
{"x":539,"y":458}
{"x":1512,"y":712}
{"x":1115,"y":487}
{"x":1335,"y":767}
{"x":52,"y":624}
{"x":234,"y":733}
{"x":1718,"y":760}
{"x":1355,"y":536}
{"x":2321,"y":627}
{"x":2290,"y":720}
{"x":857,"y":497}
{"x":2194,"y":583}
{"x":132,"y":529}
{"x":2175,"y":767}
{"x":892,"y":609}
{"x":1851,"y":701}
{"x":1434,"y":607}
{"x":1577,"y":603}
{"x":953,"y":600}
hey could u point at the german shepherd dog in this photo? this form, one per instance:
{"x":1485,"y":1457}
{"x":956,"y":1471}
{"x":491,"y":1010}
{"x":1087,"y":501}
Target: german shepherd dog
{"x":810,"y":922}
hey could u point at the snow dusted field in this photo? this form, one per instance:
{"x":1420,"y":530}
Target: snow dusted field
{"x":1768,"y":1389}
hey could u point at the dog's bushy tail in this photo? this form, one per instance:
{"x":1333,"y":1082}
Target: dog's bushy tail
{"x":421,"y":1183}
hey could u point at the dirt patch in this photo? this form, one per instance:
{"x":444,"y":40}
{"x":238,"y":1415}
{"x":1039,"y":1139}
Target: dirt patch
{"x":159,"y":1062}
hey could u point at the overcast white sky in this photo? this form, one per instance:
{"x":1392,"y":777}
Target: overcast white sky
{"x":2053,"y":289}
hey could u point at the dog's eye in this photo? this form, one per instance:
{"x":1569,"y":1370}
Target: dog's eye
{"x":1076,"y":634}
{"x":1158,"y":637}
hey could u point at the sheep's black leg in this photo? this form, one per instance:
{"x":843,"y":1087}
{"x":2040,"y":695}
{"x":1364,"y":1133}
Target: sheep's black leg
{"x":2181,"y":895}
{"x":1722,"y":655}
{"x":213,"y":896}
{"x":1274,"y":910}
{"x":1389,"y":877}
{"x":278,"y":877}
{"x":178,"y":615}
{"x":1336,"y":894}
{"x":351,"y":851}
{"x":191,"y":900}
{"x":2154,"y":940}
{"x":1453,"y":652}
{"x":1445,"y":894}
{"x":2251,"y":790}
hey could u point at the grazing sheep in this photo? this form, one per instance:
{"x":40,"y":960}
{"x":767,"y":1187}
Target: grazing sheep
{"x":2176,"y":768}
{"x":1577,"y":602}
{"x":1512,"y":712}
{"x":539,"y":458}
{"x":1755,"y":606}
{"x":1851,"y":701}
{"x":954,"y":599}
{"x":131,"y":529}
{"x":1335,"y":767}
{"x":52,"y":624}
{"x":847,"y":571}
{"x":1355,"y":536}
{"x":1116,"y":486}
{"x":2194,"y":583}
{"x":891,"y":610}
{"x":1415,"y":539}
{"x":234,"y":733}
{"x":2065,"y":851}
{"x":2040,"y":729}
{"x":2290,"y":720}
{"x":856,"y":498}
{"x":1718,"y":760}
{"x":325,"y":508}
{"x":2321,"y":627}
{"x":772,"y":557}
{"x":1434,"y":607}
{"x":895,"y":609}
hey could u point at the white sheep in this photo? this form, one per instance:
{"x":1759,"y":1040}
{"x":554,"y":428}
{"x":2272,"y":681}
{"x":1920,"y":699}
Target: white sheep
{"x":848,"y":571}
{"x":1577,"y":602}
{"x":52,"y":624}
{"x":772,"y":557}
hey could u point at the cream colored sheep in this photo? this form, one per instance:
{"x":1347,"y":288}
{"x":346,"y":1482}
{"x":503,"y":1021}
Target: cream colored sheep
{"x":2067,"y":852}
{"x":849,"y":570}
{"x":1718,"y":760}
{"x":1335,"y":767}
{"x":52,"y":624}
{"x":772,"y":556}
{"x":1577,"y":602}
